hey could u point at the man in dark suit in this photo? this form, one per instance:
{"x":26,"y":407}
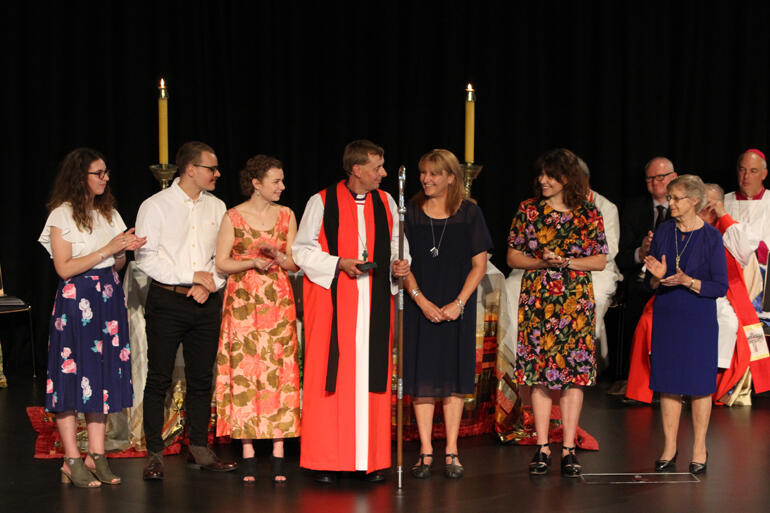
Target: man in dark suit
{"x":638,"y":221}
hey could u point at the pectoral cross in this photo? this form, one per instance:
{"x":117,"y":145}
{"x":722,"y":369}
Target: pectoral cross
{"x":365,"y":256}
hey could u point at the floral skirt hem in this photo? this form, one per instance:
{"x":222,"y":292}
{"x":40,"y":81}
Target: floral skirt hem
{"x":89,"y":355}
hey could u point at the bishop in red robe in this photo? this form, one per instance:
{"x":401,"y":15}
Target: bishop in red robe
{"x":348,"y":312}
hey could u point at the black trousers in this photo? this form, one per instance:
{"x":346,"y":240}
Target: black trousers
{"x":172,"y":318}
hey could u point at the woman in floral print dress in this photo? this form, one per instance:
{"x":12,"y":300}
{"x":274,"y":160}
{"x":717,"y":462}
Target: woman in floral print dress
{"x":89,"y":366}
{"x":257,"y":384}
{"x":557,"y":238}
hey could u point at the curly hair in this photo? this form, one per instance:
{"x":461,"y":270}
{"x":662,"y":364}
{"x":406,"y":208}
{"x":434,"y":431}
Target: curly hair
{"x":71,"y":186}
{"x":444,"y":160}
{"x":562,"y":165}
{"x":256,"y":167}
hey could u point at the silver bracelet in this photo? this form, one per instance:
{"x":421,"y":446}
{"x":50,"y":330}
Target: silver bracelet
{"x":101,"y":256}
{"x":415,"y":292}
{"x":462,"y":306}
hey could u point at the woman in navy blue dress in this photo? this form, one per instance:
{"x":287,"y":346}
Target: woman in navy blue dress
{"x":448,"y":241}
{"x":686,"y":267}
{"x":89,"y":365}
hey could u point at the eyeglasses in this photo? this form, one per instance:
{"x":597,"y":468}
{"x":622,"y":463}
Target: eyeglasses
{"x":657,"y":178}
{"x":101,"y":174}
{"x":675,"y":199}
{"x":213,"y":169}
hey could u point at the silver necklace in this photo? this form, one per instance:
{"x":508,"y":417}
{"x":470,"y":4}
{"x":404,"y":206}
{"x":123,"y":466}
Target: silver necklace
{"x":434,"y":249}
{"x":676,"y":245}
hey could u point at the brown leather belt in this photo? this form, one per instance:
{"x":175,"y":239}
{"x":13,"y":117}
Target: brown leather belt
{"x":179,"y":289}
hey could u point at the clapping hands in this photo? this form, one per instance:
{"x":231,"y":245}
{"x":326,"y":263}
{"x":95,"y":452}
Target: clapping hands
{"x":126,"y":241}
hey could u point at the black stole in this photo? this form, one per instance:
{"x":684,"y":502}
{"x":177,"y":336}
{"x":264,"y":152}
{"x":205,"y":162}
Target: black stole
{"x":379,"y":320}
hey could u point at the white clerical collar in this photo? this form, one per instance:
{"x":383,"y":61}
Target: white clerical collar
{"x":357,"y":197}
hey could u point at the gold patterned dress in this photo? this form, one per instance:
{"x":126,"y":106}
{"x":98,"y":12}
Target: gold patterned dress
{"x":257,"y":384}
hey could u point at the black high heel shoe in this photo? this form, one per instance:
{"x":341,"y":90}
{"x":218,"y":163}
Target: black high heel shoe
{"x":699,"y":468}
{"x":541,"y":461}
{"x":664,"y":465}
{"x":570,"y":467}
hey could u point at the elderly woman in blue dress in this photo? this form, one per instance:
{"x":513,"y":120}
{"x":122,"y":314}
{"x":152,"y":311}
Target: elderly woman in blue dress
{"x":89,"y":365}
{"x":686,"y":267}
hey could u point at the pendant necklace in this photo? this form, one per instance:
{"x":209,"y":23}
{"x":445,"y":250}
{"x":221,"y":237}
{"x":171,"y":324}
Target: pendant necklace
{"x":435,"y":248}
{"x":676,"y":246}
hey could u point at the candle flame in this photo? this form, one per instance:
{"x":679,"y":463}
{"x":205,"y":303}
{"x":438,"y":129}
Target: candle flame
{"x":469,"y":88}
{"x":163,"y":84}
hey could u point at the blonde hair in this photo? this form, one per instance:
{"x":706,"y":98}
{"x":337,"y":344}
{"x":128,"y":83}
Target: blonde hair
{"x":444,"y":160}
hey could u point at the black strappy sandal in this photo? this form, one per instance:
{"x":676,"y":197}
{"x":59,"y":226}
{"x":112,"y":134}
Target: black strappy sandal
{"x":420,"y":470}
{"x":249,"y":469}
{"x":570,"y":467}
{"x":278,"y":471}
{"x":541,"y":461}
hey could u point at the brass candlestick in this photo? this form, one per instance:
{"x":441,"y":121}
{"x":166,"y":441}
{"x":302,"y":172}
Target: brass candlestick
{"x":470,"y":172}
{"x":163,"y":173}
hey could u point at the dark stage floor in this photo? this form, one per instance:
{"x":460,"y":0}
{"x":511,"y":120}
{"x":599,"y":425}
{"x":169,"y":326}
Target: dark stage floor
{"x":496,"y":476}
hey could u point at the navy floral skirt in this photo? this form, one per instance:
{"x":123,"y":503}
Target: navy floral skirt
{"x":89,"y":357}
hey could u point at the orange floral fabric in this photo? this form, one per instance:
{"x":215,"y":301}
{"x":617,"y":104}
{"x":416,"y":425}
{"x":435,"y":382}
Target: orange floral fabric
{"x":257,"y":384}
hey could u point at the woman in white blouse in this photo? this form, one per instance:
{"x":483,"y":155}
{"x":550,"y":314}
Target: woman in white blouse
{"x":89,"y":367}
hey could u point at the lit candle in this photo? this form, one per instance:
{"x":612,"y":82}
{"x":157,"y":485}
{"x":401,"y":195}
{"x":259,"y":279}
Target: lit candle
{"x":163,"y":123}
{"x":470,"y":122}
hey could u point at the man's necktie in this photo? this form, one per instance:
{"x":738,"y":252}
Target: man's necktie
{"x":660,"y":217}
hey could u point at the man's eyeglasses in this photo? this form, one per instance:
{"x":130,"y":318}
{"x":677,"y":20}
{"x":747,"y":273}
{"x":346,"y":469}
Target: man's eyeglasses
{"x":101,"y":174}
{"x":213,"y":169}
{"x":657,"y":178}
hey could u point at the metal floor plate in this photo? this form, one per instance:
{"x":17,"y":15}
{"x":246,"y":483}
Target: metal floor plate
{"x":641,"y":478}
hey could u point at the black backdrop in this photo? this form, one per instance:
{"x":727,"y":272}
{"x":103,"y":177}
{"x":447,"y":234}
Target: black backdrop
{"x":618,"y":82}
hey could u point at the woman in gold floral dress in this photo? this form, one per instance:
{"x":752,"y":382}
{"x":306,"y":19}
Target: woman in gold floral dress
{"x":257,"y":385}
{"x":557,"y":238}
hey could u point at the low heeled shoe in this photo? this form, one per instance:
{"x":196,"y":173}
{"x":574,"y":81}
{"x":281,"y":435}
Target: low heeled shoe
{"x":421,"y":470}
{"x":541,"y":461}
{"x":664,"y":465}
{"x":570,"y":467}
{"x":453,"y":469}
{"x":698,"y":468}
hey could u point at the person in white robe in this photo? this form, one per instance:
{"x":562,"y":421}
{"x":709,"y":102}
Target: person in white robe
{"x":750,"y":205}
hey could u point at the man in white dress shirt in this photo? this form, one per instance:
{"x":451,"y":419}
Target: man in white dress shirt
{"x":183,"y":303}
{"x":750,"y":204}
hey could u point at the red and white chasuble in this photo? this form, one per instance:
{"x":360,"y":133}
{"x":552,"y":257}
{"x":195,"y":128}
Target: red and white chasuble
{"x":348,"y":429}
